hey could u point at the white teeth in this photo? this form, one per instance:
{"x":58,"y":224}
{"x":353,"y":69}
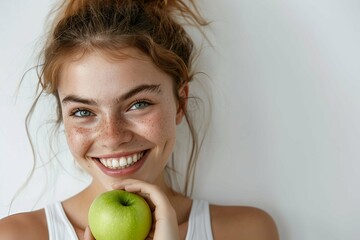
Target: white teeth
{"x":115,"y":163}
{"x":129,"y":160}
{"x":120,"y":163}
{"x":123,"y":162}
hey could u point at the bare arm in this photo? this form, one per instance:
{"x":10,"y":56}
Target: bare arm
{"x":234,"y":222}
{"x":31,"y":225}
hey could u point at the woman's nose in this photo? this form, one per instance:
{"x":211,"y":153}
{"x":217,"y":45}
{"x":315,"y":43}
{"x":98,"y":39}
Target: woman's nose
{"x":114,"y":132}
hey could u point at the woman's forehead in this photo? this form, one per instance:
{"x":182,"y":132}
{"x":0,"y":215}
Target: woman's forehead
{"x":111,"y":55}
{"x":94,"y":69}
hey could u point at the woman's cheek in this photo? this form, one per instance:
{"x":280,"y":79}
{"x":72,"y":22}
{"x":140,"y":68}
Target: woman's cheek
{"x":79,"y":140}
{"x":161,"y":126}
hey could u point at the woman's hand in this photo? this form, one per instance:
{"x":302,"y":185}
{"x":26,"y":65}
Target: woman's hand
{"x":165,"y":224}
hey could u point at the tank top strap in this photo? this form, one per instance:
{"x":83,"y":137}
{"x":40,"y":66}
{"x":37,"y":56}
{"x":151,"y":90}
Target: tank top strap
{"x":59,"y":226}
{"x":199,"y":226}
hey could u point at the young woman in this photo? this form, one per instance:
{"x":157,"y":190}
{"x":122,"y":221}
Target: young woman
{"x":120,"y":72}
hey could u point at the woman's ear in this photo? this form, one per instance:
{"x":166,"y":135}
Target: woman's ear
{"x":182,"y":102}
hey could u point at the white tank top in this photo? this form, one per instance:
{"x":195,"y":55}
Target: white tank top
{"x":199,"y":226}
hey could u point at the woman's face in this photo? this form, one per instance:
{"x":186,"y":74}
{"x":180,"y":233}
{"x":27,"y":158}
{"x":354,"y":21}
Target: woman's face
{"x":120,"y":116}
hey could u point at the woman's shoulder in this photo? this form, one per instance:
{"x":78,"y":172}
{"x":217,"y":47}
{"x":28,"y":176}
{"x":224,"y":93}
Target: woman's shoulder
{"x":29,"y":225}
{"x":239,"y":222}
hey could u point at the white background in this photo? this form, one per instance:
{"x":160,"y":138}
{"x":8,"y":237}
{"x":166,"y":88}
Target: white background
{"x":285,"y":131}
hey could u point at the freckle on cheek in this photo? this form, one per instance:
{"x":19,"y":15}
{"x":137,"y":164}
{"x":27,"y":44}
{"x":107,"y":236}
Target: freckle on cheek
{"x":81,"y":130}
{"x":78,"y":136}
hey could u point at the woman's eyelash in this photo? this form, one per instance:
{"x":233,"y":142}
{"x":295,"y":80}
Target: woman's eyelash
{"x":140,"y":104}
{"x":83,"y":112}
{"x":80,"y":113}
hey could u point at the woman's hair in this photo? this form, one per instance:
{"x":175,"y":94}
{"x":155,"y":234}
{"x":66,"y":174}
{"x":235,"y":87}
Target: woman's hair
{"x":155,"y":27}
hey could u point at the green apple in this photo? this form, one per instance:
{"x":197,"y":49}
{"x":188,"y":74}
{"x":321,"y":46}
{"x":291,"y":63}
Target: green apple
{"x":119,"y":215}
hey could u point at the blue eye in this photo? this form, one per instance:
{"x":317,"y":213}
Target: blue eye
{"x":82,"y":113}
{"x":139,"y":105}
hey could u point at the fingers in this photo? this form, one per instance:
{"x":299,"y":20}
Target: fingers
{"x":148,"y":191}
{"x":88,"y":235}
{"x":166,"y":226}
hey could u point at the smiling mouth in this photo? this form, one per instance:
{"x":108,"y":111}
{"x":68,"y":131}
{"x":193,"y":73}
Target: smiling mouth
{"x":122,"y":162}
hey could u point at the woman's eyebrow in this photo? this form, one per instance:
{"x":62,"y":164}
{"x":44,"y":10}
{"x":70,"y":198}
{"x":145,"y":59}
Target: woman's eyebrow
{"x":78,"y":99}
{"x":154,"y":88}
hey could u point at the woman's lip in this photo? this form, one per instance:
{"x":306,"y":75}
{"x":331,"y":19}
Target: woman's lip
{"x":125,"y":171}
